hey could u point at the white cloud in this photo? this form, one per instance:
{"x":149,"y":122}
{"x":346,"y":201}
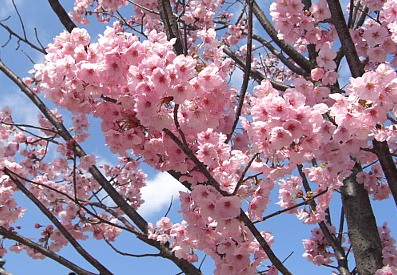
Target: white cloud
{"x":158,"y":194}
{"x":23,"y":110}
{"x":7,"y":7}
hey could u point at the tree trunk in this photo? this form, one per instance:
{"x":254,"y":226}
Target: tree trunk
{"x":363,"y":231}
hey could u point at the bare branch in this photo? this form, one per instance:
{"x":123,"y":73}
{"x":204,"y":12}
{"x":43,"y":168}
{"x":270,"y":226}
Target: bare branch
{"x":62,"y":15}
{"x":20,"y":19}
{"x":23,"y":39}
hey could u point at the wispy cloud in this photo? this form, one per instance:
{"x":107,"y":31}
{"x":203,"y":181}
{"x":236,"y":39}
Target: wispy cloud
{"x":7,"y":7}
{"x":158,"y":194}
{"x":23,"y":111}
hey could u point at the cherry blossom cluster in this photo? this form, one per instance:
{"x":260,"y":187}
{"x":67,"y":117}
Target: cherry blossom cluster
{"x":297,"y":25}
{"x":389,"y":250}
{"x":317,"y":247}
{"x":102,"y":7}
{"x":375,"y":40}
{"x":210,"y":226}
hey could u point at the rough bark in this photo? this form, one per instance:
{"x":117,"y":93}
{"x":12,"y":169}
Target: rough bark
{"x":363,"y":232}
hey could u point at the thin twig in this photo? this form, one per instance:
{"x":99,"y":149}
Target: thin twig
{"x":247,"y":72}
{"x":306,"y":202}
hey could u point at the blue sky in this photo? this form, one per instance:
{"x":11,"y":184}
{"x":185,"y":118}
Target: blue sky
{"x":288,"y":231}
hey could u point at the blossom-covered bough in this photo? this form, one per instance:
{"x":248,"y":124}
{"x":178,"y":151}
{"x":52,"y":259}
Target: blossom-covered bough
{"x":158,"y":82}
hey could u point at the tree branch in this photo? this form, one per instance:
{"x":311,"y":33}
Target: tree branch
{"x":256,"y":75}
{"x":170,"y":25}
{"x":340,"y":255}
{"x":62,"y":15}
{"x":338,"y":19}
{"x":288,"y":49}
{"x":265,"y":246}
{"x":94,"y":262}
{"x":46,"y":252}
{"x":287,"y":62}
{"x":247,"y":72}
{"x":64,"y":133}
{"x":381,"y":149}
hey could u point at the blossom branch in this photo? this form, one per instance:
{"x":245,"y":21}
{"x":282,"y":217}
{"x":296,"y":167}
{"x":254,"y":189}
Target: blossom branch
{"x":265,"y":246}
{"x":94,"y":262}
{"x":64,"y":133}
{"x":288,"y":49}
{"x":340,"y":255}
{"x":305,"y":202}
{"x":46,"y":252}
{"x":243,"y":217}
{"x":254,"y":73}
{"x":165,"y":250}
{"x":247,"y":70}
{"x":200,"y":166}
{"x":359,"y":214}
{"x":130,"y":212}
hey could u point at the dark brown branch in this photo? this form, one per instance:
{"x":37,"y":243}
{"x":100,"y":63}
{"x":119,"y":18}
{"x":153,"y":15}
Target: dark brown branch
{"x":94,"y":262}
{"x":62,"y":15}
{"x":20,"y":38}
{"x":242,"y":176}
{"x":381,"y":149}
{"x":122,"y":253}
{"x":288,"y":49}
{"x":46,"y":252}
{"x":256,"y":75}
{"x":170,"y":25}
{"x":247,"y":72}
{"x":20,"y":19}
{"x":265,"y":246}
{"x":338,"y":19}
